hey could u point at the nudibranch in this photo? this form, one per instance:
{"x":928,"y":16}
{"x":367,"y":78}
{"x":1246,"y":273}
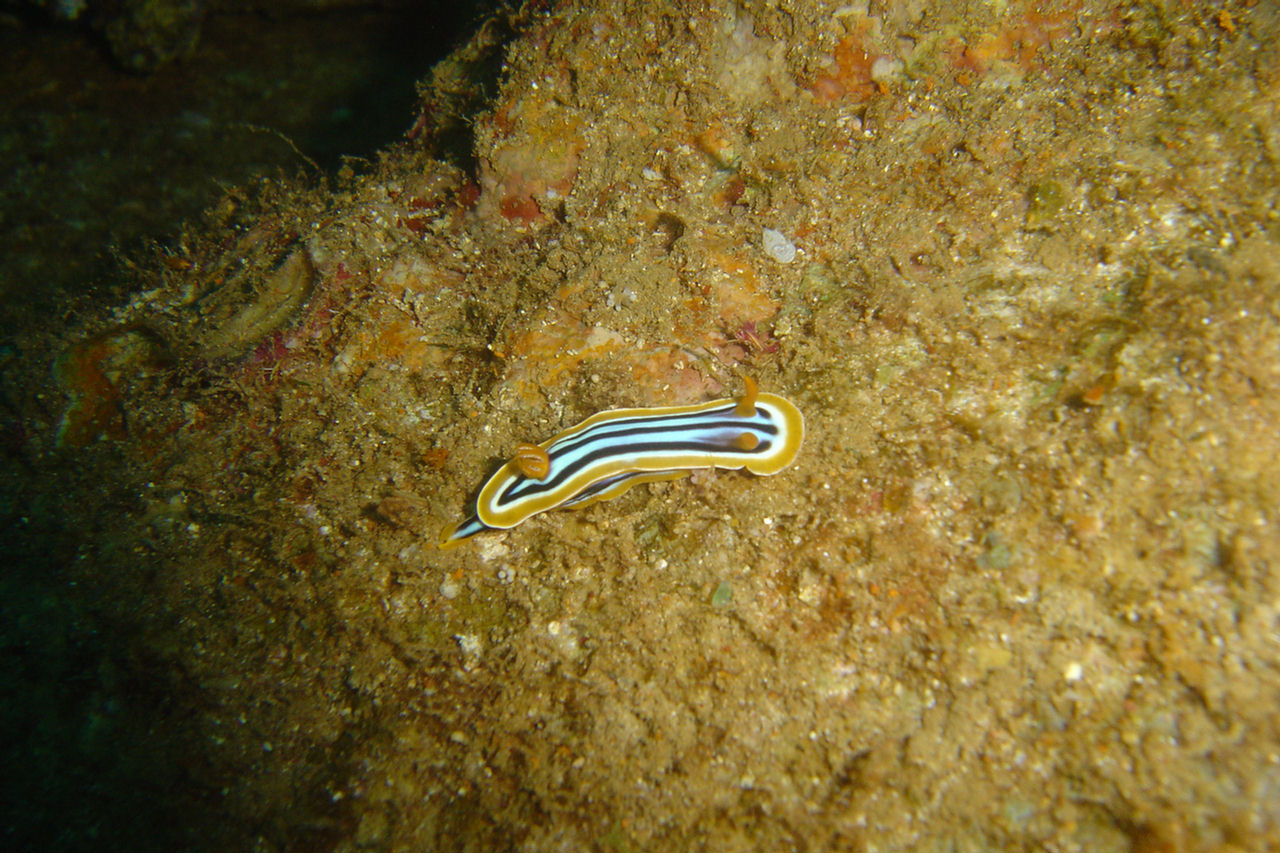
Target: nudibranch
{"x":614,"y":450}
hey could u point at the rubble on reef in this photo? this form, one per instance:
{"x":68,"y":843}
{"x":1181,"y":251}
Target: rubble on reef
{"x":1019,"y":266}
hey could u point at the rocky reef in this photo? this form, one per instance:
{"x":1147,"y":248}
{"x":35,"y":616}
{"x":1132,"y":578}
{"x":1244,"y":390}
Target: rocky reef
{"x":1019,"y":266}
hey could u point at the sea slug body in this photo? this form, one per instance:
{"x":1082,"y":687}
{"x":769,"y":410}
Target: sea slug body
{"x":614,"y":450}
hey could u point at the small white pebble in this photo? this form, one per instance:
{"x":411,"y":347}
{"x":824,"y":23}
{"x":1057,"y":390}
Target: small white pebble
{"x":650,"y":174}
{"x":1074,"y":672}
{"x":469,"y":644}
{"x":885,"y":69}
{"x":778,"y":247}
{"x":449,"y":588}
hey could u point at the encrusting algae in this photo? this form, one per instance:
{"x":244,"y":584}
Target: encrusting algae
{"x":1017,"y":592}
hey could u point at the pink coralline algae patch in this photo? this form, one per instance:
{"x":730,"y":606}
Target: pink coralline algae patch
{"x":850,"y":75}
{"x":533,"y":162}
{"x":560,"y":351}
{"x":410,"y":290}
{"x":557,"y":348}
{"x":739,"y":293}
{"x":94,"y":374}
{"x":553,"y":349}
{"x":1011,"y":49}
{"x":863,"y":62}
{"x":668,"y":376}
